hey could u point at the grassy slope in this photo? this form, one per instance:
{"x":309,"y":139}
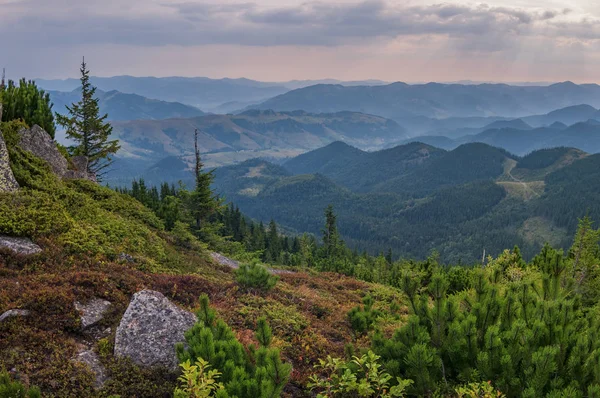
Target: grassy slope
{"x":83,"y":228}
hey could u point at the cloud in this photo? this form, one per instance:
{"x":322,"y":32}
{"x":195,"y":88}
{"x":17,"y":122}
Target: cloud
{"x":154,"y":23}
{"x":296,"y":37}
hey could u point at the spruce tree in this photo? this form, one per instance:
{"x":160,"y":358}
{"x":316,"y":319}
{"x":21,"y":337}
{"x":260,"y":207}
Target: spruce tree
{"x":203,"y":202}
{"x":331,"y":238}
{"x":90,"y":131}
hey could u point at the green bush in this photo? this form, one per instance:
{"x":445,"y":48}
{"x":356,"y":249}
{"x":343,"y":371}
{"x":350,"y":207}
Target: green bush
{"x":199,"y":381}
{"x":362,"y":318}
{"x":361,"y":377}
{"x":255,"y":277}
{"x":15,"y":389}
{"x":244,"y":372}
{"x":28,"y":103}
{"x":529,"y":336}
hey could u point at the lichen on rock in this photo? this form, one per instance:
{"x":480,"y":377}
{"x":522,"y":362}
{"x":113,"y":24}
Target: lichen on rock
{"x":8,"y":183}
{"x":39,"y":142}
{"x":150,"y":328}
{"x":19,"y":245}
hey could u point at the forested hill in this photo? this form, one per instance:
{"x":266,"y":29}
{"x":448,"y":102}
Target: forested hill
{"x":458,"y":202}
{"x":359,"y":170}
{"x":410,"y":168}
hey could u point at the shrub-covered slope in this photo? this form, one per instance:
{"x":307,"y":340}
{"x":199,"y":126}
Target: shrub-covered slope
{"x":103,"y":244}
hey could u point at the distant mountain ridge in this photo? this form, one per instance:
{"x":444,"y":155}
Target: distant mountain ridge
{"x":121,"y":106}
{"x":400,"y":101}
{"x":261,"y":133}
{"x":214,"y":95}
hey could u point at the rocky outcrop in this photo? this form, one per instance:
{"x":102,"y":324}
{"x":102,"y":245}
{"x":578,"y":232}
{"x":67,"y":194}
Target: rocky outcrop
{"x":7,"y":179}
{"x":150,"y":328}
{"x":19,"y":245}
{"x":92,"y":312}
{"x":13,"y":313}
{"x":38,"y":142}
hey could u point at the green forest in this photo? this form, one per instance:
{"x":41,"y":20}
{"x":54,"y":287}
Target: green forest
{"x":459,"y":203}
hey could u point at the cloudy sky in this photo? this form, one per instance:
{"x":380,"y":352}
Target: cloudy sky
{"x":276,"y":40}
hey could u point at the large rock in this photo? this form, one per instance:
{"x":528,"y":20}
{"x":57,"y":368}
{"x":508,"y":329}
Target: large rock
{"x":39,"y":142}
{"x":19,"y":245}
{"x":7,"y":179}
{"x":150,"y":328}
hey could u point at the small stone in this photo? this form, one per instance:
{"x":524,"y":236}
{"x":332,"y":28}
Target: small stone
{"x":150,"y":328}
{"x":11,"y":313}
{"x":92,"y":312}
{"x":126,"y":258}
{"x":90,"y":358}
{"x":19,"y":245}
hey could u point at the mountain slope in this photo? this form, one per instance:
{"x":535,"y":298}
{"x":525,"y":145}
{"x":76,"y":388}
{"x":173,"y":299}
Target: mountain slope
{"x":361,"y":171}
{"x":120,"y":106}
{"x":572,"y":191}
{"x":467,"y":163}
{"x":584,"y":136}
{"x":332,"y":157}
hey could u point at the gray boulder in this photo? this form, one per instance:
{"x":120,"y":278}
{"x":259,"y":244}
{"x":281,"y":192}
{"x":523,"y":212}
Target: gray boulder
{"x":92,"y":312}
{"x":19,"y":245}
{"x":12,"y":313}
{"x":39,"y":142}
{"x":7,"y":179}
{"x":150,"y":328}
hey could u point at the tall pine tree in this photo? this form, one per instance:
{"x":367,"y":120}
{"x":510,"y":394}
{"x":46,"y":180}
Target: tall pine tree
{"x":88,"y":129}
{"x":203,"y":202}
{"x":331,"y":237}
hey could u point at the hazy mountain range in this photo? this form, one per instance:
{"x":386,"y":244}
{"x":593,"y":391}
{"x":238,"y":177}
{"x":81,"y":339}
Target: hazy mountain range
{"x":252,"y":133}
{"x":121,"y":106}
{"x":423,"y":108}
{"x":214,"y":95}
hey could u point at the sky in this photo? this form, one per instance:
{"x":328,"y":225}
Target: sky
{"x":280,"y":40}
